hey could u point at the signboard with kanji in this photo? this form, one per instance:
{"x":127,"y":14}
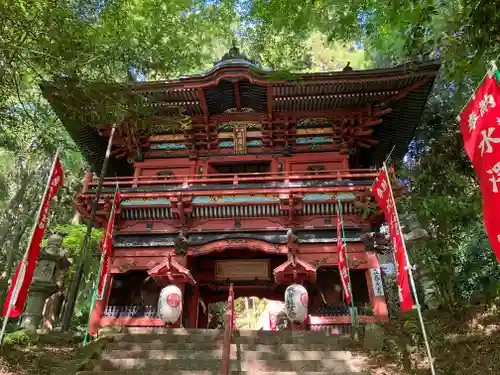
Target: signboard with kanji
{"x":240,"y":139}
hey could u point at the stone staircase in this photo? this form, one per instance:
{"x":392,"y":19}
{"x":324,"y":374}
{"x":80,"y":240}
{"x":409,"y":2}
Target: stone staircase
{"x":198,"y":352}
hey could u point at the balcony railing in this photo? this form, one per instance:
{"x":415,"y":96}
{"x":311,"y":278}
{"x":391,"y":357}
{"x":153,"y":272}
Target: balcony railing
{"x":359,"y":177}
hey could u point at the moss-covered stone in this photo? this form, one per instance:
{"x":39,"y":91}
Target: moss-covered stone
{"x":82,"y":357}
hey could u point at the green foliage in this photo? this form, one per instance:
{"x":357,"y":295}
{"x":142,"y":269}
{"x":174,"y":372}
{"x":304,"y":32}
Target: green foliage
{"x":249,"y":317}
{"x":72,"y":244}
{"x":19,"y":337}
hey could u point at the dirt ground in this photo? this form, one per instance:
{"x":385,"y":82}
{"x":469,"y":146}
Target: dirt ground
{"x":40,"y":359}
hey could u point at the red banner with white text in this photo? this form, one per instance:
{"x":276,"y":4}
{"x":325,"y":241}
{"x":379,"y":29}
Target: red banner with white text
{"x":382,"y":191}
{"x":342,"y":260}
{"x":18,"y":291}
{"x":107,"y":244}
{"x":480,"y":125}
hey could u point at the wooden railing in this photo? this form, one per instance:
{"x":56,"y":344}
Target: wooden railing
{"x":234,"y":179}
{"x":228,"y":333}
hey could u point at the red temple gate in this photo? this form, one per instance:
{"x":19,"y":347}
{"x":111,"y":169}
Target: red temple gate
{"x":243,"y":187}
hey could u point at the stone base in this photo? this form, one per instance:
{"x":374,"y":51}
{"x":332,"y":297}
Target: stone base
{"x":374,"y":337}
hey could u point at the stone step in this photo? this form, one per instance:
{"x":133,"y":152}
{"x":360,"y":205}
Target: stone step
{"x":178,"y":335}
{"x":297,"y":339}
{"x":217,"y":337}
{"x":261,"y":353}
{"x":200,"y":331}
{"x":333,"y":366}
{"x":214,"y":346}
{"x":175,"y":336}
{"x":213,"y":372}
{"x":151,"y":330}
{"x":161,"y":372}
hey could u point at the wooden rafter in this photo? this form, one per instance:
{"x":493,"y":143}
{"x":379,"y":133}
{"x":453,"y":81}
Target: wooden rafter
{"x":270,"y":102}
{"x":237,"y":96}
{"x":404,"y":92}
{"x":203,"y":104}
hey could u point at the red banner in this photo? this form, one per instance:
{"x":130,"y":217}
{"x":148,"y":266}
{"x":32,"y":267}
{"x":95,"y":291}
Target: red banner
{"x":342,"y":261}
{"x":107,"y":244}
{"x":480,"y":125}
{"x":18,"y":291}
{"x":382,"y":191}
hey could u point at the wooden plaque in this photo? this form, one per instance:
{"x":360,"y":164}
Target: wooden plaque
{"x":250,"y":269}
{"x":240,"y":139}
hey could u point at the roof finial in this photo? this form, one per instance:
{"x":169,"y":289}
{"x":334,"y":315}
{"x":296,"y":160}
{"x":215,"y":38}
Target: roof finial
{"x":234,"y":52}
{"x":348,"y":67}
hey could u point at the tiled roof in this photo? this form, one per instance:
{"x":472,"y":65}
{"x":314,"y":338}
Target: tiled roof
{"x":310,"y":92}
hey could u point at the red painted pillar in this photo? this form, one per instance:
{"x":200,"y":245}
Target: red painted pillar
{"x":88,"y":179}
{"x":137,"y":174}
{"x":99,"y":307}
{"x":192,"y":308}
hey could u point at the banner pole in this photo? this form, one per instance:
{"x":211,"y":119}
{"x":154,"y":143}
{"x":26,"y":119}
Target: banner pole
{"x":4,"y":325}
{"x":94,"y":297}
{"x":75,"y":285}
{"x":20,"y":280}
{"x":101,"y":262}
{"x":354,"y":319}
{"x":412,"y":283}
{"x":13,"y":298}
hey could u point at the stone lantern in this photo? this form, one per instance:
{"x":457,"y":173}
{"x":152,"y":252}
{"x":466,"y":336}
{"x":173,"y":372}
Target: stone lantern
{"x":47,"y":280}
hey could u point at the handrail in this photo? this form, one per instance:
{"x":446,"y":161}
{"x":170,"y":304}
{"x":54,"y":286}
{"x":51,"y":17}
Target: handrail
{"x":229,"y":323}
{"x":284,"y":173}
{"x":233,"y":179}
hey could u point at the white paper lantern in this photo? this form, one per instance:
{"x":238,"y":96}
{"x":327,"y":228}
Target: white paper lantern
{"x":296,"y":302}
{"x":170,"y":304}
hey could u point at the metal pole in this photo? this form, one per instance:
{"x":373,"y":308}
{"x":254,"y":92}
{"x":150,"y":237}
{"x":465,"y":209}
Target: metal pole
{"x":413,"y":287}
{"x":92,"y":302}
{"x":73,"y":292}
{"x":4,"y":325}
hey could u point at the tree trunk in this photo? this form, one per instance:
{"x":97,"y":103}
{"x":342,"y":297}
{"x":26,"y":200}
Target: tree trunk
{"x":19,"y":231}
{"x":76,"y":219}
{"x":11,"y":208}
{"x":9,"y":262}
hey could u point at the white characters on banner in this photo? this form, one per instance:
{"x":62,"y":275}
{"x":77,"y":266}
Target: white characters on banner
{"x":495,"y":178}
{"x":472,"y":121}
{"x":170,"y":304}
{"x":381,"y":191}
{"x":487,"y":102}
{"x":488,"y":139}
{"x":296,"y":302}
